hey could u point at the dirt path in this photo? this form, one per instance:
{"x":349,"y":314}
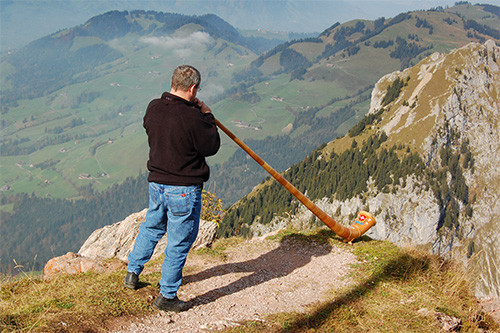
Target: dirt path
{"x":259,"y":277}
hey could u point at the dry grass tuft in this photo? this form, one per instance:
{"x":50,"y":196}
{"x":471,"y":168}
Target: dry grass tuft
{"x":70,"y":303}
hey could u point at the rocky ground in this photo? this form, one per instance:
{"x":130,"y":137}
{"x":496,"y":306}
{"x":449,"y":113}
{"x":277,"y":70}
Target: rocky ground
{"x":258,"y":278}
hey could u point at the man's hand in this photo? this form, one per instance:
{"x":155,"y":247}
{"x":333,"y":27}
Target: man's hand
{"x":202,"y":106}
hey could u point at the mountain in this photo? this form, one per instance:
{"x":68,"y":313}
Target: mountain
{"x":423,"y":162}
{"x":45,"y":17}
{"x":315,"y":89}
{"x":71,"y":54}
{"x":79,"y":135}
{"x":69,"y":112}
{"x":70,"y":97}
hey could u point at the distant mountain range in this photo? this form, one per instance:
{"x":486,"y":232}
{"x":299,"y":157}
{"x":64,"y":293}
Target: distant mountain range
{"x":297,"y":16}
{"x":71,"y":56}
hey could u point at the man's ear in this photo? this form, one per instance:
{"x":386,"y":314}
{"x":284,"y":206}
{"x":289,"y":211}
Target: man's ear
{"x":192,"y":88}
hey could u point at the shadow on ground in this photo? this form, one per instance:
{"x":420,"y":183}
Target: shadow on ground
{"x":400,"y":268}
{"x":294,"y":251}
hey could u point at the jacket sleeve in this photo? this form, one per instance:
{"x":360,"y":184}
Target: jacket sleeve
{"x":206,"y":136}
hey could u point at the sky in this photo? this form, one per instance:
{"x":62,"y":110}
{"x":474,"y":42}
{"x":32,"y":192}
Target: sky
{"x":22,"y":21}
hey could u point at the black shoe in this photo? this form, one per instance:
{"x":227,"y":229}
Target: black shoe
{"x":131,"y":280}
{"x":167,"y":304}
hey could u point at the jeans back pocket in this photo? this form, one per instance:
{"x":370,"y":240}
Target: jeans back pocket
{"x":179,"y":204}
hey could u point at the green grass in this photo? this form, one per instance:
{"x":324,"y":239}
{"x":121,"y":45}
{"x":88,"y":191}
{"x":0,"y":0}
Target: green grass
{"x":8,"y":208}
{"x":84,"y":41}
{"x":309,"y":50}
{"x":391,"y":285}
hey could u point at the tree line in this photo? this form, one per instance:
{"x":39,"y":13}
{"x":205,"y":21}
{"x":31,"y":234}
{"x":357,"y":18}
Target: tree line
{"x":46,"y":227}
{"x":340,"y":176}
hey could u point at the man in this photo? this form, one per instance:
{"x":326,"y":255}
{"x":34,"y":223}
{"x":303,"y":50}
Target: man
{"x":181,"y":133}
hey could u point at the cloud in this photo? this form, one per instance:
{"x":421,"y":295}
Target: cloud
{"x":184,"y":45}
{"x":210,"y":90}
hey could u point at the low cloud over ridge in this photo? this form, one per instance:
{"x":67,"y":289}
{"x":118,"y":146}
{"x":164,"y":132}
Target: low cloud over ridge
{"x":182,"y":45}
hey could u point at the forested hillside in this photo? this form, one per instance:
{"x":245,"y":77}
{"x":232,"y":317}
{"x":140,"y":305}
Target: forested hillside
{"x":41,"y":228}
{"x":342,"y":176}
{"x":347,"y":58}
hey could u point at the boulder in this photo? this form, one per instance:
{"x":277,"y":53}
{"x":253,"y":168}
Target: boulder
{"x":107,"y":248}
{"x":117,"y":240}
{"x":72,"y":263}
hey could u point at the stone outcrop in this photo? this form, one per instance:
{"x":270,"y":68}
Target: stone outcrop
{"x":72,"y":263}
{"x":107,"y":248}
{"x":117,"y":240}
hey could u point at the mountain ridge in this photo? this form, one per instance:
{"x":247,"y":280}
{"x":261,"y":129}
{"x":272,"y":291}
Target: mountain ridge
{"x":105,"y":27}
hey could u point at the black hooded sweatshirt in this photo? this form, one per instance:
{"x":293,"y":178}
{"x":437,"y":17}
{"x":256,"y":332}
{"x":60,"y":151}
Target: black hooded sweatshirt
{"x":180,"y":136}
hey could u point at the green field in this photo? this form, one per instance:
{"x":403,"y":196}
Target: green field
{"x":108,"y":142}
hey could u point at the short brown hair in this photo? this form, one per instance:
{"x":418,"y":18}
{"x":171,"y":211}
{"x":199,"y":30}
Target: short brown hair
{"x":184,"y":77}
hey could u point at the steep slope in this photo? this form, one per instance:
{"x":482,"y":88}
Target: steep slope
{"x":456,"y":115}
{"x":423,"y":161}
{"x":316,"y":89}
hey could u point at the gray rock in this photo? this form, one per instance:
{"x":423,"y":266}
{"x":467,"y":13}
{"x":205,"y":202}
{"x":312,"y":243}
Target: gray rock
{"x":117,"y":240}
{"x":107,"y":248}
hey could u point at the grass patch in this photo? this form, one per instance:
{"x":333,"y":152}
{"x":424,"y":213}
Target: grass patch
{"x":219,"y":247}
{"x":70,"y":303}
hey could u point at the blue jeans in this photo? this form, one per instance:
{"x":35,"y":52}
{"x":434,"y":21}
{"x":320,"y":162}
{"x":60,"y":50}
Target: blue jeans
{"x":176,"y":209}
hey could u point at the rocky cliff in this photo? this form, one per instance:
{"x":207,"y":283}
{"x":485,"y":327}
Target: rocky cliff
{"x":446,"y":108}
{"x":452,"y":102}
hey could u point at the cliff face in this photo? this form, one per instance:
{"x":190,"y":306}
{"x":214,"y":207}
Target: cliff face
{"x":455,"y":100}
{"x":447,"y":110}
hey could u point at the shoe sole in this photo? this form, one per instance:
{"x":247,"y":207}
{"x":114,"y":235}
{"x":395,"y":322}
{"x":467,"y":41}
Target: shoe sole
{"x":177,"y":310}
{"x":129,"y":286}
